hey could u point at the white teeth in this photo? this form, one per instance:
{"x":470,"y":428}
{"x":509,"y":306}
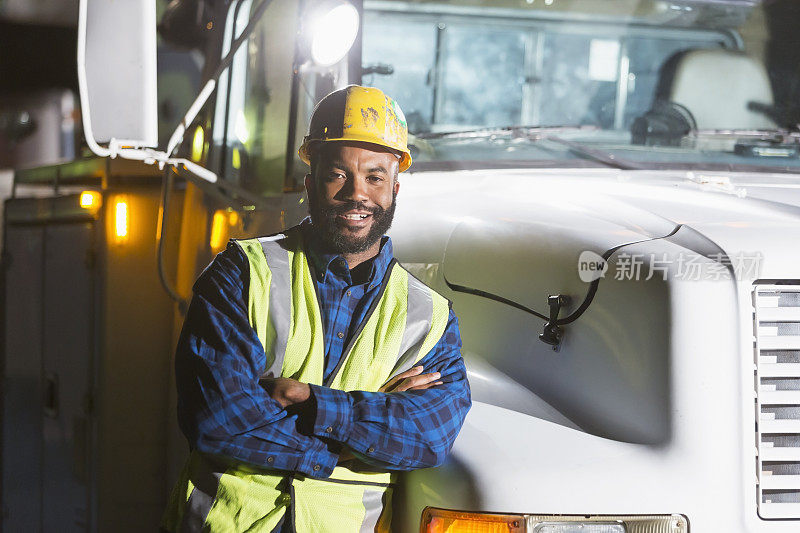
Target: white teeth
{"x":355,"y":217}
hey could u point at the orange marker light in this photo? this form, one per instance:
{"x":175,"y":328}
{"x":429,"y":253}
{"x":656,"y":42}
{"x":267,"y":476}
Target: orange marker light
{"x":121,"y":220}
{"x":218,"y":232}
{"x":90,"y":199}
{"x":443,"y":521}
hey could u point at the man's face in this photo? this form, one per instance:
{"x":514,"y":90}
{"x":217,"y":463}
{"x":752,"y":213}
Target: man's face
{"x":351,"y":194}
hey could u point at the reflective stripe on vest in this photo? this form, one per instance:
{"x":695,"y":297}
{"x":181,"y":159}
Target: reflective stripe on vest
{"x":405,"y":321}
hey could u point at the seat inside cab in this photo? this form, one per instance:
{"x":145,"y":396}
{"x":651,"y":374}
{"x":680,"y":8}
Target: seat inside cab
{"x":711,"y":89}
{"x":718,"y":88}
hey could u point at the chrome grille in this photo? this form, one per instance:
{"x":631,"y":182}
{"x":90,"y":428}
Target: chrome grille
{"x":776,"y":322}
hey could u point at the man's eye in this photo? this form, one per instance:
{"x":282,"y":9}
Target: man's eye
{"x":335,"y":176}
{"x":375,"y":178}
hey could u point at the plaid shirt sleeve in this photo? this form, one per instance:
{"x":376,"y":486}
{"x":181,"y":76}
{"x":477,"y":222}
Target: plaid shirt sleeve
{"x":401,"y":430}
{"x":219,"y":359}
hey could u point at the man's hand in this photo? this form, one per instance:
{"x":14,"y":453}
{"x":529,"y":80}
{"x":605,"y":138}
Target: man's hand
{"x":412,"y":379}
{"x":286,"y":391}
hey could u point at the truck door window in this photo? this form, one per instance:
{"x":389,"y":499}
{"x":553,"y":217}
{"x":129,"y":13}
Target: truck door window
{"x":227,"y":91}
{"x":252,"y":114}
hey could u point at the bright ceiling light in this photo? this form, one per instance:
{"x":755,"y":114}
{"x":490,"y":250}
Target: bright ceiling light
{"x":333,"y":32}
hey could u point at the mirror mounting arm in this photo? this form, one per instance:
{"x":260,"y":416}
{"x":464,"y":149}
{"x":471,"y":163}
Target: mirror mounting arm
{"x":553,"y":334}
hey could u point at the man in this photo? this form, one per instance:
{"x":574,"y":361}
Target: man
{"x":311,"y":365}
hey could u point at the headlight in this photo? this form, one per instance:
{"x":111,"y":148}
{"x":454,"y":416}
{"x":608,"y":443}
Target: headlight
{"x":333,"y":29}
{"x":444,"y":521}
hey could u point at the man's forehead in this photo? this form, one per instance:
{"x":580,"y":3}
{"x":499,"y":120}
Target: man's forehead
{"x":340,"y":151}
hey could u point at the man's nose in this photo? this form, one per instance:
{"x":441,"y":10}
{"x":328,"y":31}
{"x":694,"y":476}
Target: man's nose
{"x":355,"y":189}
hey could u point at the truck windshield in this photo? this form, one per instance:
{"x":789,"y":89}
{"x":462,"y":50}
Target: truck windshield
{"x":659,"y":83}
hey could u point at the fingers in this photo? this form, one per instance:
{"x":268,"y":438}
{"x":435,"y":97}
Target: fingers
{"x":426,"y":386}
{"x":420,"y":382}
{"x":399,"y":377}
{"x":412,"y":379}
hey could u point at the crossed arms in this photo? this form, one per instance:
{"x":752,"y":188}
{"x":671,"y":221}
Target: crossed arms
{"x":223,"y":409}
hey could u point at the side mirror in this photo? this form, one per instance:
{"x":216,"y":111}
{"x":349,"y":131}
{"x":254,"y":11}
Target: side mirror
{"x":117,"y":73}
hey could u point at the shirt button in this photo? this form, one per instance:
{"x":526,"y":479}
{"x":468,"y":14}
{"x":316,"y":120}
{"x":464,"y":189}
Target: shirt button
{"x":340,"y":335}
{"x":371,"y":449}
{"x":316,"y":468}
{"x":349,"y":293}
{"x":329,"y":429}
{"x":270,"y":460}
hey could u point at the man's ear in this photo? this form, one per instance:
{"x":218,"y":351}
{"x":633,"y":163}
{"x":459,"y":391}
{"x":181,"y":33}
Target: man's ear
{"x":396,"y":185}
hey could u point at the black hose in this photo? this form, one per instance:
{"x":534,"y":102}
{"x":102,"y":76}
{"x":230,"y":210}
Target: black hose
{"x":587,"y":300}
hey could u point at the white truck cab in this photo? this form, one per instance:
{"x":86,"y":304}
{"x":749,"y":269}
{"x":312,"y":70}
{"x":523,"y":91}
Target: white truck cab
{"x":653,"y":140}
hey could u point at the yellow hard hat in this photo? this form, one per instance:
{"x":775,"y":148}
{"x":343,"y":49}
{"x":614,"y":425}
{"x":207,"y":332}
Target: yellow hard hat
{"x":358,"y":113}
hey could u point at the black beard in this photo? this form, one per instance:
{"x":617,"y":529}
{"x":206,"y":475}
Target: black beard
{"x":338,"y":241}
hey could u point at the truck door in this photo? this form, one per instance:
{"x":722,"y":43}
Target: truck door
{"x":48,"y":349}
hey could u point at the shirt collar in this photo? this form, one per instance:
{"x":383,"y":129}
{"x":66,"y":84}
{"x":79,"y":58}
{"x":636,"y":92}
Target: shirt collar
{"x":326,"y":263}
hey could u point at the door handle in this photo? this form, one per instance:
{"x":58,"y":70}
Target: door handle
{"x":51,"y":395}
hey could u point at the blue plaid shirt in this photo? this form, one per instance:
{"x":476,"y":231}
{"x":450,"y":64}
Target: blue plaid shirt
{"x":223,"y":410}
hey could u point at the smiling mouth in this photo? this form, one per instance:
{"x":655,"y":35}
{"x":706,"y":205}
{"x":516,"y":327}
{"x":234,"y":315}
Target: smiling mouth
{"x":355,"y":216}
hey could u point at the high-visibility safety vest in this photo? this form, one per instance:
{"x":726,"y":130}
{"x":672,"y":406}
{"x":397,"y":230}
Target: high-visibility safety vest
{"x":406,"y":320}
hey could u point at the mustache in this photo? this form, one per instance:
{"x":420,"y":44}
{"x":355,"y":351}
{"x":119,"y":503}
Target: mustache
{"x":351,"y":206}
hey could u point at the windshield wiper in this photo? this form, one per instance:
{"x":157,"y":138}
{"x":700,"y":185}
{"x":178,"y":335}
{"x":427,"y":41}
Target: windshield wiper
{"x":543,"y":133}
{"x":516,"y":131}
{"x":607,"y":158}
{"x":601,"y":156}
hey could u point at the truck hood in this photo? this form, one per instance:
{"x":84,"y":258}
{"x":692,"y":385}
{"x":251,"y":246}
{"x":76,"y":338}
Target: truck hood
{"x":740,"y":212}
{"x":501,"y":225}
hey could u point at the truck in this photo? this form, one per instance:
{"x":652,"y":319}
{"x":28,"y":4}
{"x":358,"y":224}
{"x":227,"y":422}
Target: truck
{"x":607,"y":191}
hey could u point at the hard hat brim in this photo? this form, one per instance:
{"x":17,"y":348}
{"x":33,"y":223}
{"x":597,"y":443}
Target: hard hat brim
{"x":308,"y":145}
